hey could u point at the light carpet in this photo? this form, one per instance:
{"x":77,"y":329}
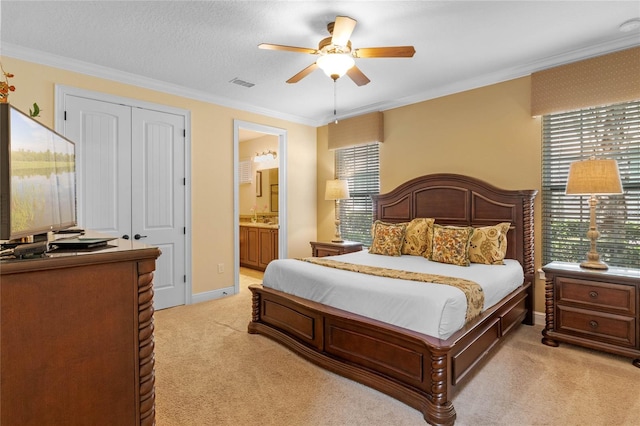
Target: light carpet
{"x":210,"y":371}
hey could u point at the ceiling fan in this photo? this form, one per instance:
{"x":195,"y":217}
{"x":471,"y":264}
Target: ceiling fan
{"x":336,"y":57}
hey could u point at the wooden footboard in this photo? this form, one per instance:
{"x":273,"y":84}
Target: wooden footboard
{"x":419,"y":370}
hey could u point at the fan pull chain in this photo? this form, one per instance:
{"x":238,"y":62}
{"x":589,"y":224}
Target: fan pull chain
{"x":335,"y":100}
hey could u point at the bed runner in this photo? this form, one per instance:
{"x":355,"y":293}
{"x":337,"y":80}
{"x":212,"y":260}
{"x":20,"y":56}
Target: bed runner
{"x":472,"y":290}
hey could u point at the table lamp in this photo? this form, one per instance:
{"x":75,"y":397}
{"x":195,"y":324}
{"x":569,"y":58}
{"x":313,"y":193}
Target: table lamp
{"x":593,"y":177}
{"x":337,"y":189}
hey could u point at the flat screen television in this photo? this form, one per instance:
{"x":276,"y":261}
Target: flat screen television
{"x":37,"y":177}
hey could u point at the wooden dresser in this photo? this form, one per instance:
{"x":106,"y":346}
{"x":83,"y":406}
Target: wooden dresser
{"x":322,"y":249}
{"x":592,"y":308}
{"x":76,"y":338}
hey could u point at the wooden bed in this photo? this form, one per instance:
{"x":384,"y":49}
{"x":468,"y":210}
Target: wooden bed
{"x":419,"y":370}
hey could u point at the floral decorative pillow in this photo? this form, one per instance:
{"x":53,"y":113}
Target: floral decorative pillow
{"x":417,"y":239}
{"x":451,"y":244}
{"x":388,"y":238}
{"x":489,"y":244}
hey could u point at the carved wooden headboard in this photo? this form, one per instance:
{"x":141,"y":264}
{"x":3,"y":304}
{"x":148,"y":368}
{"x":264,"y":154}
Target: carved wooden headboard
{"x":453,"y":199}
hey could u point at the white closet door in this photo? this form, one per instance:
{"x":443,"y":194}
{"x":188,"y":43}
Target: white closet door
{"x":130,"y":168}
{"x":158,"y":198}
{"x":102,"y":134}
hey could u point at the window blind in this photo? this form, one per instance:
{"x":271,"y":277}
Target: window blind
{"x":611,"y":132}
{"x":360,"y":166}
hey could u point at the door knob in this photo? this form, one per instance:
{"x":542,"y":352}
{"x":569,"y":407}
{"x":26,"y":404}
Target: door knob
{"x":138,"y":236}
{"x":125,"y":237}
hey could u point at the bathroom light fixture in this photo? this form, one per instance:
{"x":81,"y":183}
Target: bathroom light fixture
{"x":265,"y":156}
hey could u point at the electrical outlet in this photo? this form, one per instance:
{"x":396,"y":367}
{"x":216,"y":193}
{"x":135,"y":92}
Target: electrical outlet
{"x":220,"y":268}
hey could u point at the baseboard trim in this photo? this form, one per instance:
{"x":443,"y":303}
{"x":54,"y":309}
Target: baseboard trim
{"x":539,"y":318}
{"x":212,"y":295}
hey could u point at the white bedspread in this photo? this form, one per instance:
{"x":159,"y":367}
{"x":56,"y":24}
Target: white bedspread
{"x":434,"y":309}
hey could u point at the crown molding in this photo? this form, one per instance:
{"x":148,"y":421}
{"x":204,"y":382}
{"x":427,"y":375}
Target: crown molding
{"x":43,"y":58}
{"x":86,"y":68}
{"x":506,"y":74}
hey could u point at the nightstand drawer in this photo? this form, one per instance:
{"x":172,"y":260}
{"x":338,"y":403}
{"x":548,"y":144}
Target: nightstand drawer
{"x":615,"y":329}
{"x":327,"y":251}
{"x":595,"y":295}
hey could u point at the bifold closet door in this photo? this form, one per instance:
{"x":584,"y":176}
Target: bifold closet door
{"x":130,"y":180}
{"x":102,"y":134}
{"x":158,"y":197}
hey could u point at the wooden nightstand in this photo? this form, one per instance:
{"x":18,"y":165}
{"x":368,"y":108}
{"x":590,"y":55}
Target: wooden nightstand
{"x":592,"y":308}
{"x":322,"y":249}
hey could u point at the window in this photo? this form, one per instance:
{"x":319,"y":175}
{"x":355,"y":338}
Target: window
{"x":605,"y":132}
{"x":360,"y":166}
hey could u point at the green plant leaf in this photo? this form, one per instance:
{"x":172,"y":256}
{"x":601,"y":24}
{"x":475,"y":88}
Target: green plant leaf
{"x":35,"y":112}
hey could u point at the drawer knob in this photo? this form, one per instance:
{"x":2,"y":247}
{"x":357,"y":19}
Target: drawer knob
{"x":593,"y":324}
{"x":593,"y":294}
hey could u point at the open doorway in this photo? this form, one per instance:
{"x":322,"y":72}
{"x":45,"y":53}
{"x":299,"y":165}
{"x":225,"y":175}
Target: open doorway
{"x":274,"y":197}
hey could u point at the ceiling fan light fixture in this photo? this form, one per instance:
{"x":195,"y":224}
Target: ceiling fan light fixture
{"x":335,"y":65}
{"x":336,"y":55}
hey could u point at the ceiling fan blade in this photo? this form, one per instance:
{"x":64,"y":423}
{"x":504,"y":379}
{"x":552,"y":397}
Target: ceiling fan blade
{"x":385,"y":52}
{"x":287,"y":48}
{"x":358,"y":76}
{"x":302,"y":74}
{"x":342,"y":29}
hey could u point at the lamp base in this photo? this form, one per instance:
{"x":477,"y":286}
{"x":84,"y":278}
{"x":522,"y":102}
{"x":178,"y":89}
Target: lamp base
{"x":337,"y":238}
{"x":593,"y":258}
{"x":594,"y":264}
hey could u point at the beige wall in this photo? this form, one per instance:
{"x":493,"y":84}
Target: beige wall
{"x":487,"y":133}
{"x":211,"y":164}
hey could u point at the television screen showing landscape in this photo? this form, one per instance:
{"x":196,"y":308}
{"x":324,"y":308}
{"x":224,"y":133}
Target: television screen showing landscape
{"x":42,"y":177}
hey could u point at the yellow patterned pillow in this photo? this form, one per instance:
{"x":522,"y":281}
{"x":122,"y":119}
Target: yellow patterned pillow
{"x":451,"y":244}
{"x":489,"y":244}
{"x":388,"y":238}
{"x":417,"y":239}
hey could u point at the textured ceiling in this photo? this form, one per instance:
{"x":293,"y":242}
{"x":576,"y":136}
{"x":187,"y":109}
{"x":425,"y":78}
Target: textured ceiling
{"x":196,"y":48}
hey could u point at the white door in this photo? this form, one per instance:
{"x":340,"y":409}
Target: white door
{"x":131,"y":182}
{"x":158,"y":197}
{"x":102,"y":133}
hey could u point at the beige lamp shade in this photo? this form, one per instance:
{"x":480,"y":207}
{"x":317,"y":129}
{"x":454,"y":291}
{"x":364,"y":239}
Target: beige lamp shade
{"x":336,"y":189}
{"x":594,"y":176}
